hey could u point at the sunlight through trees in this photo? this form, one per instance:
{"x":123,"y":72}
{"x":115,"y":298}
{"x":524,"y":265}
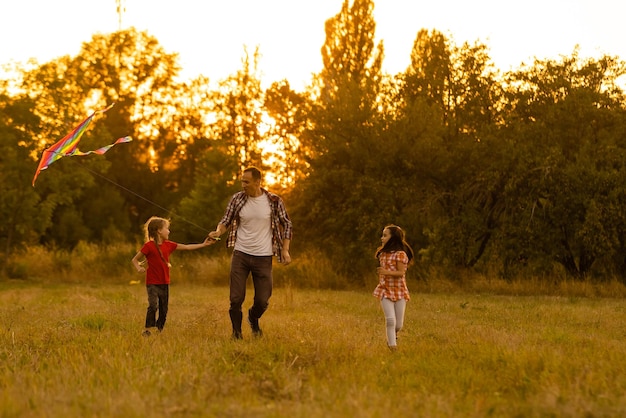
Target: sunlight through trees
{"x":519,"y":174}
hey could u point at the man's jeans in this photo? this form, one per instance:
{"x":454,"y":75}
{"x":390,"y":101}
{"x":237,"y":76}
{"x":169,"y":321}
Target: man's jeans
{"x":260,"y":267}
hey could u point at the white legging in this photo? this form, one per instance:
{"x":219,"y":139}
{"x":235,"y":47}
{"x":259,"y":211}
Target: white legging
{"x":394,"y":317}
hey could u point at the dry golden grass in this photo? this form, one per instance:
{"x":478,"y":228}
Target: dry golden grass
{"x":75,"y":350}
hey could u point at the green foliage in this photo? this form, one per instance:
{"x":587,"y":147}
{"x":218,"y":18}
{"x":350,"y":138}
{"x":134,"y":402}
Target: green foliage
{"x":351,"y":62}
{"x":236,"y":143}
{"x":289,"y":112}
{"x":339,"y":195}
{"x":236,"y":107}
{"x":567,"y":126}
{"x":201,"y":211}
{"x":22,"y":212}
{"x":85,"y":263}
{"x":517,"y":175}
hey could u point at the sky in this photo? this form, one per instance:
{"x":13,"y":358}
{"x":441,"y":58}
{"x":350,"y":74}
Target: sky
{"x":210,"y":35}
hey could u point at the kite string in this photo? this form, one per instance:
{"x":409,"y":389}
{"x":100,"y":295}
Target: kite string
{"x":141,"y":197}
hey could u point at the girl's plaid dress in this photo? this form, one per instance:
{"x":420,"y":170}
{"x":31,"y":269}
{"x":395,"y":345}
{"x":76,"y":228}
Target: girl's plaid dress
{"x":392,"y":287}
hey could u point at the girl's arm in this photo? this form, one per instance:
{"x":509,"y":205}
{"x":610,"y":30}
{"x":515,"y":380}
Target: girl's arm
{"x":208,"y":241}
{"x":137,"y":263}
{"x":401,"y":269}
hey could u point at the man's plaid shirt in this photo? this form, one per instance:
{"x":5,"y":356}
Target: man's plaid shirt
{"x":281,"y":224}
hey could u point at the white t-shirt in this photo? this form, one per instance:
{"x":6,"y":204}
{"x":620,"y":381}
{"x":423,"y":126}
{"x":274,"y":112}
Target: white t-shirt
{"x":254,"y":231}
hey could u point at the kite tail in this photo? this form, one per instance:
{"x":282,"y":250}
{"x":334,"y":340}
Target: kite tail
{"x":68,"y":145}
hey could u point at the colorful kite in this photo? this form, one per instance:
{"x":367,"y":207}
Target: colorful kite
{"x":67,"y":146}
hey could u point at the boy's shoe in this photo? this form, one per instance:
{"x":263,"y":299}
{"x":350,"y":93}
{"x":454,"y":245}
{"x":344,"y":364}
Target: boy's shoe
{"x":254,"y":324}
{"x":146,"y":333}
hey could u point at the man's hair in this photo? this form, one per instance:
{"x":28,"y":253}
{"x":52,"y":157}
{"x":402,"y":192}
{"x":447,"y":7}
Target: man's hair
{"x":256,"y":173}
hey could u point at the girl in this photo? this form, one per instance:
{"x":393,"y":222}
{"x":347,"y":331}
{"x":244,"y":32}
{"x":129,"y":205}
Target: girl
{"x":156,"y":251}
{"x":394,"y":256}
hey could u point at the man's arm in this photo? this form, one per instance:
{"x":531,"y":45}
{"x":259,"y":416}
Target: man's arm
{"x":286,"y":256}
{"x":219,"y":230}
{"x":283,"y":216}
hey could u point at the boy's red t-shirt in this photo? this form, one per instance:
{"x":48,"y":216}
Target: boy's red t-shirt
{"x":158,"y":272}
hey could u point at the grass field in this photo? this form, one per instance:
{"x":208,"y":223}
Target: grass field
{"x":75,"y":350}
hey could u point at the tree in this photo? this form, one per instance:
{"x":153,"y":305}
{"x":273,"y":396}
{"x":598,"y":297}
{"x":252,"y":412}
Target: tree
{"x":145,"y":177}
{"x":200,"y":211}
{"x":237,"y":113}
{"x":235,"y":141}
{"x":131,"y":69}
{"x":567,"y":120}
{"x":347,"y":87}
{"x":338,"y":198}
{"x":288,"y":113}
{"x":24,"y":216}
{"x":448,"y":103}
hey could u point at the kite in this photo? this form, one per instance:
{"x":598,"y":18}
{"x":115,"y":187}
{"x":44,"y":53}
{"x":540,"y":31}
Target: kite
{"x":68,"y":145}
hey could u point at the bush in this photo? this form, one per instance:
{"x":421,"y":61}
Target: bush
{"x":90,"y":263}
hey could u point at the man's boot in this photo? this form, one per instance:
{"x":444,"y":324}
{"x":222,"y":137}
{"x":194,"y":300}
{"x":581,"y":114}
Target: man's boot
{"x":253,"y":320}
{"x":236,"y":318}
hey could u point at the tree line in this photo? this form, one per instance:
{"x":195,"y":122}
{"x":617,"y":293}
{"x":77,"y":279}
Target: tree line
{"x":518,"y":174}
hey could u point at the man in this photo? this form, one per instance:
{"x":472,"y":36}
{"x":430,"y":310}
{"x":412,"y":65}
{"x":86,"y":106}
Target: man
{"x":259,"y":229}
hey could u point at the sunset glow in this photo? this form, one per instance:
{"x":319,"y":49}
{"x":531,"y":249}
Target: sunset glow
{"x":210,"y":36}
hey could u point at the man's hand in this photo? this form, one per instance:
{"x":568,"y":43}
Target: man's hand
{"x":286,"y":257}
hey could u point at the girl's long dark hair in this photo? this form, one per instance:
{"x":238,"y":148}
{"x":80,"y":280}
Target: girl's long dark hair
{"x":397,"y":242}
